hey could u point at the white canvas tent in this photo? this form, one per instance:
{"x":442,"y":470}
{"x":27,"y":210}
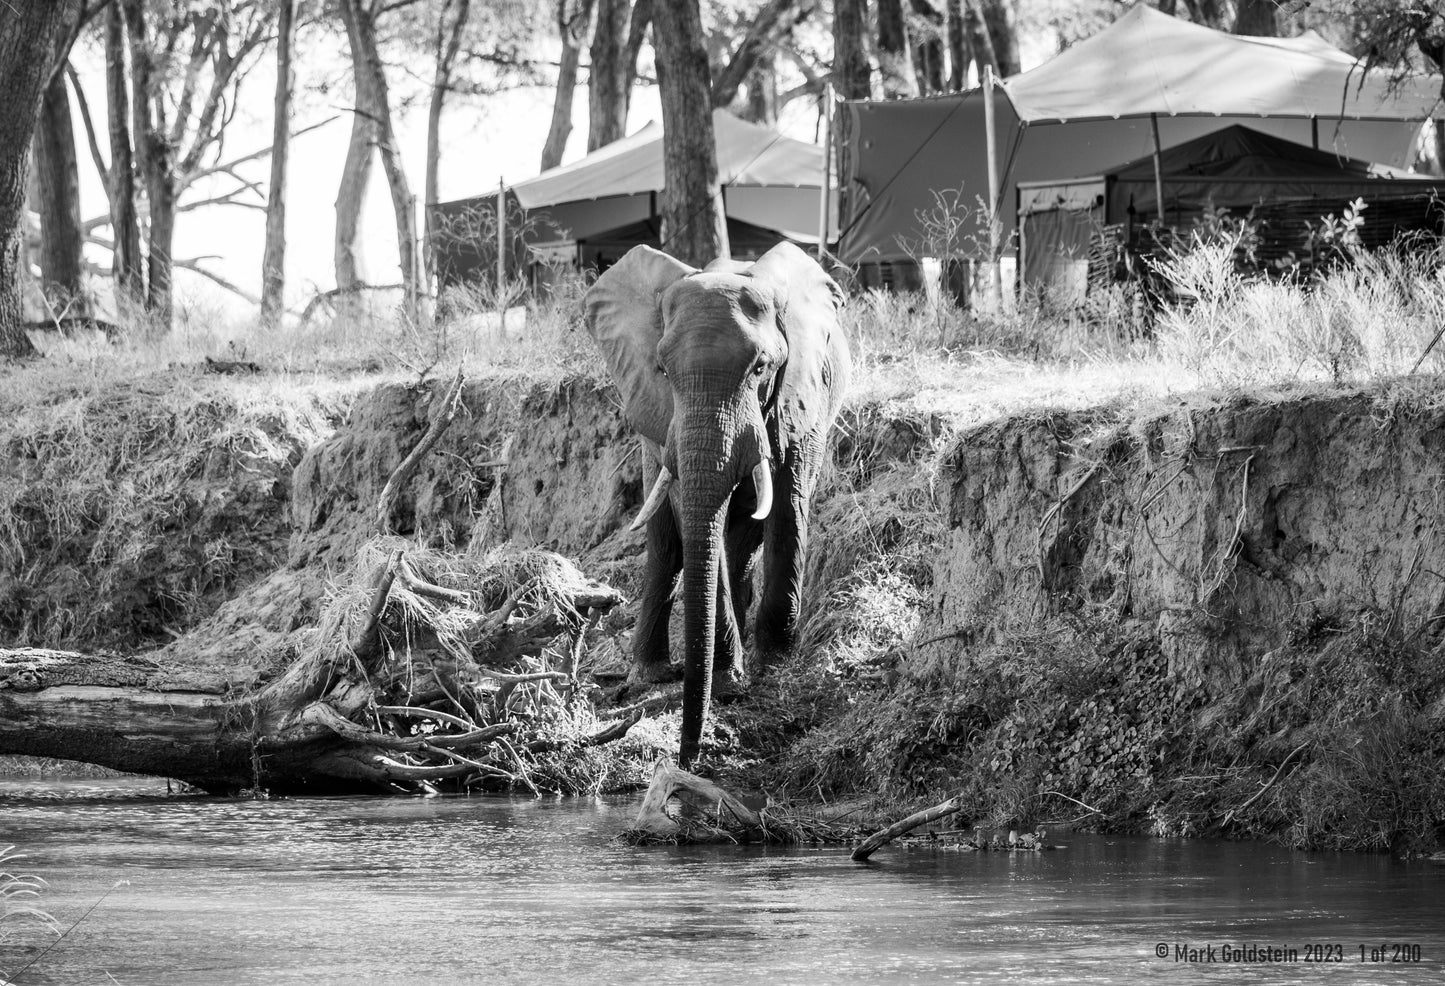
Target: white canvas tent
{"x":771,"y":188}
{"x":1097,"y":105}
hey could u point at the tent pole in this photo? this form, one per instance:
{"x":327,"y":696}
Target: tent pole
{"x":1158,"y":167}
{"x":991,"y":146}
{"x":502,"y":255}
{"x":1315,"y":132}
{"x":827,"y":170}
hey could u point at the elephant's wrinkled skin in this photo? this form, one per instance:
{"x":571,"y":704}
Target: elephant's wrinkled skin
{"x":733,"y":375}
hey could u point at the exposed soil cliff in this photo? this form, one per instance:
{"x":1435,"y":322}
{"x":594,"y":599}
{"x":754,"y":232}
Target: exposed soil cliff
{"x":1217,"y":616}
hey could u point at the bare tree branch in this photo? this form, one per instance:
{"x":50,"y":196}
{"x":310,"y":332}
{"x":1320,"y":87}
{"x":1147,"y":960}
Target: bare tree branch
{"x":228,"y":167}
{"x":90,"y":136}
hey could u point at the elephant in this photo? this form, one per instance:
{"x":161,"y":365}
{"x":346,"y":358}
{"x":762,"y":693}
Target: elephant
{"x":732,"y":375}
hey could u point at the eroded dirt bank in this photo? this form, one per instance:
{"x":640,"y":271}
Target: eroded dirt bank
{"x":1208,"y":617}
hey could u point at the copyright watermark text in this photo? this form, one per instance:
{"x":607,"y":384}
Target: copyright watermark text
{"x":1259,"y":953}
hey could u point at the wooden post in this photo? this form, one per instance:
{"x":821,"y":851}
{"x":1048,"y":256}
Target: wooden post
{"x":1158,"y":167}
{"x":991,"y":145}
{"x":827,"y":171}
{"x":501,"y":256}
{"x":1315,"y":132}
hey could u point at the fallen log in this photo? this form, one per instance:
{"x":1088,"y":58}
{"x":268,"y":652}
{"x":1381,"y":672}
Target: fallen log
{"x":352,"y":710}
{"x":882,"y":837}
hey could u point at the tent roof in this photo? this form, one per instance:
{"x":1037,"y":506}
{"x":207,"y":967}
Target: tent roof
{"x":747,"y":154}
{"x":1239,"y":152}
{"x":1148,"y":62}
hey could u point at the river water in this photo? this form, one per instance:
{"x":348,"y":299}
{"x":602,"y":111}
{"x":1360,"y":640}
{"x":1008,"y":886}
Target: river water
{"x":494,"y":890}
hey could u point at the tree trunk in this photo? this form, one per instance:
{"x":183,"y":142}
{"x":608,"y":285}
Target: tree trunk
{"x":350,"y":244}
{"x":448,"y":43}
{"x":1209,"y":13}
{"x":762,"y":105}
{"x":121,"y":186}
{"x":980,"y":39}
{"x":608,"y":81}
{"x":694,"y":227}
{"x":574,"y":26}
{"x":636,"y":35}
{"x":156,"y":162}
{"x":1001,"y":17}
{"x":58,"y":177}
{"x":373,"y":100}
{"x":895,"y":67}
{"x":1259,"y":18}
{"x":273,"y":264}
{"x":958,"y":49}
{"x":928,"y":47}
{"x":852,"y":75}
{"x":27,"y":39}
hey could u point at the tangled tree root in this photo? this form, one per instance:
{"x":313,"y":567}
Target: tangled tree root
{"x":409,"y":684}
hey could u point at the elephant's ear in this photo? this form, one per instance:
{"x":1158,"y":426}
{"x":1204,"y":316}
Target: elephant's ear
{"x":624,"y":316}
{"x":816,"y":373}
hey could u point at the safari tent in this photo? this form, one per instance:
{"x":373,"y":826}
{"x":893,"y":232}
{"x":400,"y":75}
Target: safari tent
{"x":594,"y":210}
{"x":1148,"y":82}
{"x":1236,"y":168}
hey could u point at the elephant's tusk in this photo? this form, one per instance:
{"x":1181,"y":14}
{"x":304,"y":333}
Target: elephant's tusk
{"x":655,"y":499}
{"x":763,"y":481}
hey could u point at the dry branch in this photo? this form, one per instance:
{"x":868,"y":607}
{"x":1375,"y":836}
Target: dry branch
{"x":881,"y":838}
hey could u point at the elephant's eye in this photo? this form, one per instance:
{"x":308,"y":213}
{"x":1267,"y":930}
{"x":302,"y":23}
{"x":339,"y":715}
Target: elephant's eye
{"x":760,"y":368}
{"x":661,"y":369}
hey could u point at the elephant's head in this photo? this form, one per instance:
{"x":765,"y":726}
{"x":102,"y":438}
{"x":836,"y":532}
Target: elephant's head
{"x":723,"y":368}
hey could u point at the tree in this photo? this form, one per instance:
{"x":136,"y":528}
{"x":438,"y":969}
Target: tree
{"x":574,"y":24}
{"x":446,"y":46}
{"x":694,"y":228}
{"x":770,"y":28}
{"x":928,"y":31}
{"x":980,"y":41}
{"x":852,"y":75}
{"x":273,"y":263}
{"x":188,"y":61}
{"x":28,"y":33}
{"x":616,"y":43}
{"x":959,"y":53}
{"x":119,"y":176}
{"x":1210,"y":13}
{"x":1256,"y":17}
{"x":57,"y":174}
{"x":1001,"y":19}
{"x":373,"y":101}
{"x":895,"y":66}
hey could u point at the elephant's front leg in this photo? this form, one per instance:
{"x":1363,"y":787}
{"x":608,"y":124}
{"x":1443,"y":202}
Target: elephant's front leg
{"x":735,"y":591}
{"x":651,"y":662}
{"x":785,"y":550}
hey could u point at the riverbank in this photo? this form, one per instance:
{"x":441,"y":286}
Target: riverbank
{"x":1112,"y":590}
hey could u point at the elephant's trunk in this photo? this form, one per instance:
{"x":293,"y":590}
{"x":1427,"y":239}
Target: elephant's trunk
{"x":702,"y":542}
{"x":716,"y":447}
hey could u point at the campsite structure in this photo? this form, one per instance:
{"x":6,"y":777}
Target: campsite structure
{"x":591,"y":212}
{"x":1147,"y":83}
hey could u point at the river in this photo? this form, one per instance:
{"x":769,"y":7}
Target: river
{"x":496,"y":890}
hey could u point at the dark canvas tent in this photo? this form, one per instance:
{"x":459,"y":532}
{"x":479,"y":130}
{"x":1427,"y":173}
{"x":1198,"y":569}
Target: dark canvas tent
{"x":595,"y":209}
{"x":1234,"y":168}
{"x":1095,"y":105}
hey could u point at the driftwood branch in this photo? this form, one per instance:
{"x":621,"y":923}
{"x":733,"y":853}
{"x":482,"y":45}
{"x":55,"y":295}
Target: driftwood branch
{"x":669,"y":781}
{"x":450,"y":403}
{"x":880,"y":839}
